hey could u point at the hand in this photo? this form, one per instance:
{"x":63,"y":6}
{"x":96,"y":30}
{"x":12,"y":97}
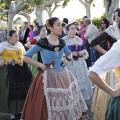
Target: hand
{"x":65,"y":62}
{"x":81,"y":53}
{"x":75,"y":54}
{"x":84,"y":29}
{"x":1,"y":64}
{"x":28,"y":45}
{"x":104,"y":52}
{"x":116,"y":91}
{"x":43,"y":67}
{"x":27,"y":39}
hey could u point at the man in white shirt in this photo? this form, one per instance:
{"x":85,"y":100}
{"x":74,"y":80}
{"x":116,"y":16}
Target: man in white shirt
{"x":91,"y":33}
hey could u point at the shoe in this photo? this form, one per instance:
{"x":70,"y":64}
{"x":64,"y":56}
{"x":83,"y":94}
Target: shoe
{"x":18,"y":116}
{"x":13,"y":119}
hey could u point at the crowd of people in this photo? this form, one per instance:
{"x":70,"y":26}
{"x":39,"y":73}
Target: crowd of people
{"x":51,"y":71}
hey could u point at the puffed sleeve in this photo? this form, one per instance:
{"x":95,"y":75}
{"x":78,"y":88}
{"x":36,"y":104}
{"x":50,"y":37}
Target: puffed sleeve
{"x":34,"y":49}
{"x":1,"y":48}
{"x":102,"y":37}
{"x":106,"y":62}
{"x":67,"y":50}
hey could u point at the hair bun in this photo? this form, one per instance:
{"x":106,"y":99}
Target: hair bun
{"x":47,"y":23}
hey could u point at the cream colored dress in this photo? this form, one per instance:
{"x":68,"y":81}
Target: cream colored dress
{"x":101,"y":98}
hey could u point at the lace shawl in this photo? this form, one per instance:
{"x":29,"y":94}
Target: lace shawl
{"x":113,"y":31}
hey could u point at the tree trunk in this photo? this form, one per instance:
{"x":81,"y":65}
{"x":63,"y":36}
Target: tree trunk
{"x":28,"y":18}
{"x":87,"y":5}
{"x":111,"y":9}
{"x":87,"y":8}
{"x":10,"y":20}
{"x":49,"y":14}
{"x":39,"y":14}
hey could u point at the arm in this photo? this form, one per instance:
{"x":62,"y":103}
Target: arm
{"x":83,"y":52}
{"x":103,"y":64}
{"x":1,"y":50}
{"x":100,"y":49}
{"x":89,"y":32}
{"x":100,"y":83}
{"x":68,"y":55}
{"x":95,"y":43}
{"x":81,"y":31}
{"x":30,"y":43}
{"x":27,"y":58}
{"x":33,"y":62}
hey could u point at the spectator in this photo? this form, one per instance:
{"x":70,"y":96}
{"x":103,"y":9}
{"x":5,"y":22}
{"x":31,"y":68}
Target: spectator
{"x":30,"y":35}
{"x":91,"y":33}
{"x":25,"y":33}
{"x":36,"y":31}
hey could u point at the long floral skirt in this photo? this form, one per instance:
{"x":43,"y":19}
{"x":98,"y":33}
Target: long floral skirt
{"x":54,"y":95}
{"x":79,"y":70}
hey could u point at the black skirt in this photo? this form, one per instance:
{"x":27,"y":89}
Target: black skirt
{"x":14,"y":84}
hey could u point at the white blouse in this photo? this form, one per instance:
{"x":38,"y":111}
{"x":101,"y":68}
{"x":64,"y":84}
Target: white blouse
{"x":107,"y":62}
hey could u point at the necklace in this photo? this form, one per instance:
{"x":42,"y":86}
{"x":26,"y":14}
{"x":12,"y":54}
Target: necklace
{"x":75,"y":42}
{"x":53,"y":42}
{"x":56,"y":49}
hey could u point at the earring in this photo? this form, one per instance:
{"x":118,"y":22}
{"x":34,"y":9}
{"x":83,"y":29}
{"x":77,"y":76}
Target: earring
{"x":51,"y":32}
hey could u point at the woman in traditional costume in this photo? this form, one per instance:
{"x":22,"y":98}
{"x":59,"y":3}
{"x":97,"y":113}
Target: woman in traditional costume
{"x":78,"y":66}
{"x":99,"y":106}
{"x":54,"y":93}
{"x":107,"y":62}
{"x":42,"y":34}
{"x":15,"y":76}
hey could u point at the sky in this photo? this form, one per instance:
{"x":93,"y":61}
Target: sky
{"x":74,"y":10}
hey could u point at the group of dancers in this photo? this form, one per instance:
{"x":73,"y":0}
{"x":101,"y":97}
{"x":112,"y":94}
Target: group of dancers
{"x":60,"y":84}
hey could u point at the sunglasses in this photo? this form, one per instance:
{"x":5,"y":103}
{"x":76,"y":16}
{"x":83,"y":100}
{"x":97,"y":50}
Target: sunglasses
{"x":103,"y":23}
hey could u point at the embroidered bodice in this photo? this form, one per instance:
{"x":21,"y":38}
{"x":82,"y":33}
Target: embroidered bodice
{"x":50,"y":52}
{"x":11,"y":53}
{"x":74,"y":45}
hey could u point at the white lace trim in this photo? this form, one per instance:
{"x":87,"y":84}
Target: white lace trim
{"x":67,"y":107}
{"x":113,"y":32}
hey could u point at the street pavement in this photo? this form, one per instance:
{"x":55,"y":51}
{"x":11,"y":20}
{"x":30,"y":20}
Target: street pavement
{"x":7,"y":117}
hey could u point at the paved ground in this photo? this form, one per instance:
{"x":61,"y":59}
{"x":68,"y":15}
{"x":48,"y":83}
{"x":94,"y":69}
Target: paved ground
{"x":4,"y":117}
{"x":89,"y":112}
{"x":7,"y":117}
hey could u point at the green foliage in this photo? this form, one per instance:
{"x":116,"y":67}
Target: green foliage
{"x":104,"y":15}
{"x":65,"y":3}
{"x":40,"y":1}
{"x":79,"y":19}
{"x":17,"y":20}
{"x":96,"y":21}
